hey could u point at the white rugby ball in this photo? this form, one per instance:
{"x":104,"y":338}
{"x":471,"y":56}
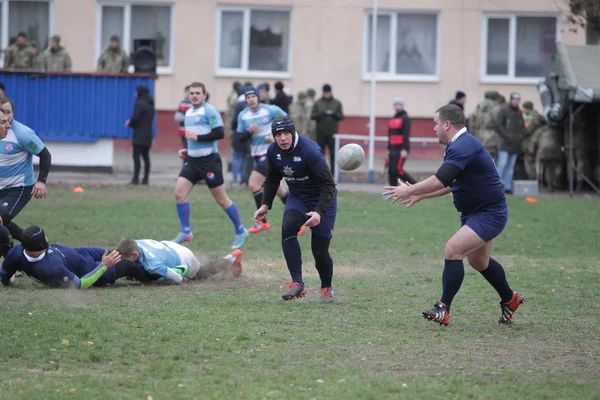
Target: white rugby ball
{"x":350,"y":157}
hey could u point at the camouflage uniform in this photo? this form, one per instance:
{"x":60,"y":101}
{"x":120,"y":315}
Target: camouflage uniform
{"x":19,"y":56}
{"x":545,"y":144}
{"x":113,"y":61}
{"x":300,"y":113}
{"x":232,"y":100}
{"x":476,"y":119}
{"x":583,"y":143}
{"x":56,"y":60}
{"x":488,"y":135}
{"x":532,"y":121}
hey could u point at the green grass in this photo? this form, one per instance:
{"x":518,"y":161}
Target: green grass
{"x":236,"y":339}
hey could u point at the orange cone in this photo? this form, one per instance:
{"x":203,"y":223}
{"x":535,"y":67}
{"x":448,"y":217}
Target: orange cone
{"x":530,"y":199}
{"x":78,"y":189}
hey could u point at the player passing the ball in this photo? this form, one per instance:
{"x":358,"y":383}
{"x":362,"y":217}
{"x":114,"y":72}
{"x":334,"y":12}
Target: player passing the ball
{"x":469,"y":173}
{"x":312,"y":202}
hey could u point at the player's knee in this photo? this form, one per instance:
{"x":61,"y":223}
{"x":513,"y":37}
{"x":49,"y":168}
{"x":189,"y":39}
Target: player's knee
{"x":6,"y":218}
{"x":180,"y":195}
{"x":320,"y":249}
{"x":452,"y":251}
{"x":292,"y":221}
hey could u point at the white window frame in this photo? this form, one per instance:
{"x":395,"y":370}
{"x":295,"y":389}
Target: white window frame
{"x":392,"y":76}
{"x":5,"y":7}
{"x":512,"y":47}
{"x":126,"y":39}
{"x":244,"y":72}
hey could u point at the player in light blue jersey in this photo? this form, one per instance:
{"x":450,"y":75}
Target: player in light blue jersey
{"x":173,"y":261}
{"x":203,"y":128}
{"x":254,"y":124}
{"x":18,"y":145}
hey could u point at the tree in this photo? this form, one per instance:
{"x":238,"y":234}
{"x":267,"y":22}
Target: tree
{"x":585,"y":14}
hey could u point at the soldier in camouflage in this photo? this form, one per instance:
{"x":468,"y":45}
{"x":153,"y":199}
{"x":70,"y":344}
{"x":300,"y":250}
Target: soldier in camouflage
{"x":311,"y":131}
{"x":488,"y":135}
{"x":545,"y":145}
{"x":532,"y":121}
{"x":113,"y":60}
{"x":583,"y":145}
{"x":19,"y":55}
{"x":476,"y":119}
{"x":56,"y":58}
{"x":300,"y":113}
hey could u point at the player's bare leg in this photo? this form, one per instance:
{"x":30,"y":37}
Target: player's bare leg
{"x":183,"y":187}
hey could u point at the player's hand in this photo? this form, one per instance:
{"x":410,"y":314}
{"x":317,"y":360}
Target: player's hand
{"x":183,"y":153}
{"x":189,"y":135}
{"x":127,"y":123}
{"x":403,"y":153}
{"x":261,"y":213}
{"x":253,"y":128}
{"x":313,"y":220}
{"x":39,"y":190}
{"x":270,"y":139}
{"x":109,"y":260}
{"x":411,"y":200}
{"x":395,"y":193}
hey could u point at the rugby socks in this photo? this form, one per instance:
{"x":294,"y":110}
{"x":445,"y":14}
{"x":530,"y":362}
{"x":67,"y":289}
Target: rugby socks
{"x":495,"y":275}
{"x":234,"y":216}
{"x":293,"y":257}
{"x":323,"y":261}
{"x":284,"y":198}
{"x":452,"y":277}
{"x":258,"y":195}
{"x":15,"y":230}
{"x":183,"y":211}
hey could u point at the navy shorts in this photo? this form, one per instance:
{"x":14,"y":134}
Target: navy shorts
{"x":325,"y":227}
{"x":260,"y":164}
{"x":208,"y":168}
{"x":487,"y":224}
{"x":14,"y":199}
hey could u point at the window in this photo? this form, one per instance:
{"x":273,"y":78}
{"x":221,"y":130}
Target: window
{"x":31,"y":17}
{"x":517,"y":47}
{"x":138,"y":25}
{"x":407,"y":46}
{"x":253,"y":41}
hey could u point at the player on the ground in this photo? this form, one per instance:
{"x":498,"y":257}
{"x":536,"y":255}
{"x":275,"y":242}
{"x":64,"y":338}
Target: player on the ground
{"x":17,"y":181}
{"x":203,"y":128}
{"x":312,"y":202}
{"x":469,"y":173}
{"x":173,"y":261}
{"x":254,"y":124}
{"x":57,"y":265}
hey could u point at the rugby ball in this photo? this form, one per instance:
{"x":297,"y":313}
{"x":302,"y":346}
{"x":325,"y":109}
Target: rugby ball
{"x":350,"y":157}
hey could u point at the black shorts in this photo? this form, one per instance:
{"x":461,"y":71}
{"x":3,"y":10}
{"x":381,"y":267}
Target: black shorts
{"x":260,"y":164}
{"x":209,"y":169}
{"x":14,"y":199}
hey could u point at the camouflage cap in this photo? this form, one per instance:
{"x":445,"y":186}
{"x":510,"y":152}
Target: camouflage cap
{"x":496,"y":95}
{"x":302,"y":95}
{"x":311,"y":92}
{"x":56,"y":38}
{"x":489,"y":94}
{"x":528,"y":105}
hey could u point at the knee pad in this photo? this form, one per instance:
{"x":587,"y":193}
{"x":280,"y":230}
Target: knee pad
{"x":292,"y":221}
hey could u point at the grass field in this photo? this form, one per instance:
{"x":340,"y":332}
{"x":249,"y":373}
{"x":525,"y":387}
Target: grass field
{"x":236,"y":338}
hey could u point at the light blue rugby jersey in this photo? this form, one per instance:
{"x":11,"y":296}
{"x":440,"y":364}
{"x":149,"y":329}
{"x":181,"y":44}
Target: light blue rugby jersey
{"x":262,"y":117}
{"x":157,"y":256}
{"x":16,"y":156}
{"x":201,"y":121}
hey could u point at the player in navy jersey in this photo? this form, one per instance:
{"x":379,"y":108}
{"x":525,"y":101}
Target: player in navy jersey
{"x":312,"y":202}
{"x":57,"y":265}
{"x":469,"y":173}
{"x":18,"y":145}
{"x":254,"y":124}
{"x":203,"y":128}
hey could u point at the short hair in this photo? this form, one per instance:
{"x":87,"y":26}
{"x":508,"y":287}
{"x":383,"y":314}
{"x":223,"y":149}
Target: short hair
{"x":198,"y":85}
{"x":5,"y":100}
{"x":22,"y":34}
{"x":453,"y":114}
{"x":2,"y":87}
{"x":127,"y":246}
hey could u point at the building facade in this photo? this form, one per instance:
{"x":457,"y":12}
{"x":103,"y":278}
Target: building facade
{"x":425,"y":50}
